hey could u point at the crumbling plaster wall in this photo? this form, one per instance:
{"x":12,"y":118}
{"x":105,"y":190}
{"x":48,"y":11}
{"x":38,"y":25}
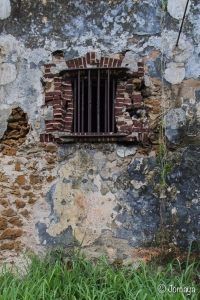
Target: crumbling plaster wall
{"x":104,"y":194}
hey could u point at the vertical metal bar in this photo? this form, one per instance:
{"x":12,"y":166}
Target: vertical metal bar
{"x":98,"y":102}
{"x":75,"y":100}
{"x":89,"y":101}
{"x":108,"y":100}
{"x":106,"y":106}
{"x":82,"y":111}
{"x":113,"y":106}
{"x":182,"y":23}
{"x":79,"y":100}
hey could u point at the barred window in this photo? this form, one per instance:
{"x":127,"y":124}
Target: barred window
{"x":95,"y":98}
{"x":94,"y":93}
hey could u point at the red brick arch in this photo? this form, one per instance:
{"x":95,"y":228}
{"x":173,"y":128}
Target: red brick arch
{"x":59,"y":94}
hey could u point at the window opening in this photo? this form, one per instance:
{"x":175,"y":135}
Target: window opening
{"x":94,"y":93}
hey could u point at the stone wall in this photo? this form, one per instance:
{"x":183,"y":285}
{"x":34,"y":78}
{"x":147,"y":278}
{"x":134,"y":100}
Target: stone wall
{"x":106,"y":196}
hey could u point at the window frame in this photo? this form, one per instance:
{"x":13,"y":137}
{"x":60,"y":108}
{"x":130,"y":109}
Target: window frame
{"x":59,"y":96}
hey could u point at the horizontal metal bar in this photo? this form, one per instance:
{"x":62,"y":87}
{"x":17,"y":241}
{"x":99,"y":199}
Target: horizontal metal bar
{"x":83,"y":69}
{"x":86,"y":134}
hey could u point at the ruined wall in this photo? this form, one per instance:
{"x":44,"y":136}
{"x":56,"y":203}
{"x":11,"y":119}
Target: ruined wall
{"x":106,"y":195}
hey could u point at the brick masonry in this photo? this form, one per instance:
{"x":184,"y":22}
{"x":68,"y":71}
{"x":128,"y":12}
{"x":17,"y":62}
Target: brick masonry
{"x":59,"y":94}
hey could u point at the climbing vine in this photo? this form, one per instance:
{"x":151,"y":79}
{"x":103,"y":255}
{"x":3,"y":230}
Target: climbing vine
{"x":163,"y":159}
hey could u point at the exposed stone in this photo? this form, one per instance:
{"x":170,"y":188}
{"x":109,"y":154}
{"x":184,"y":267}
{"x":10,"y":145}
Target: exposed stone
{"x":50,"y":178}
{"x":123,"y":151}
{"x":17,"y":166}
{"x":3,"y":223}
{"x":3,"y":178}
{"x":16,"y":221}
{"x":154,"y":105}
{"x":20,"y":203}
{"x":9,"y":151}
{"x":4,"y":202}
{"x":5,"y":9}
{"x":25,"y":213}
{"x":49,"y":159}
{"x":37,"y":187}
{"x":175,"y":121}
{"x":50,"y":148}
{"x":20,"y":180}
{"x":9,"y":212}
{"x":32,"y":200}
{"x":174,"y":75}
{"x":17,"y":127}
{"x":34,"y":179}
{"x":26,"y":187}
{"x":7,"y":246}
{"x":177,"y":8}
{"x":11,"y":234}
{"x":16,"y":192}
{"x":28,"y":194}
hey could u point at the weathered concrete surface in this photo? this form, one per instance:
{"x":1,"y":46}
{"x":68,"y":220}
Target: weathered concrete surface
{"x":175,"y":73}
{"x":78,"y":202}
{"x":7,"y":73}
{"x":5,"y":9}
{"x":177,"y":8}
{"x":4,"y":114}
{"x":125,"y":205}
{"x":175,"y":121}
{"x":107,"y":194}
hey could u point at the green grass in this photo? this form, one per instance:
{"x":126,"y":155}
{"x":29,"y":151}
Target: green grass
{"x":48,"y":278}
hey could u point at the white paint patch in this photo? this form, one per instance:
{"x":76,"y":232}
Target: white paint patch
{"x":176,"y":8}
{"x":8,"y":73}
{"x":59,"y":67}
{"x":166,"y":43}
{"x":8,"y":45}
{"x":174,"y":75}
{"x":48,"y":113}
{"x":5,"y":9}
{"x":5,"y":112}
{"x":131,"y":60}
{"x":174,"y":211}
{"x":123,"y":151}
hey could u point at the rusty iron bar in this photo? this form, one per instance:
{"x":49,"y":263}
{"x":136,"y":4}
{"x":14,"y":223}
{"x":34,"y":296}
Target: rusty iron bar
{"x":105,"y":107}
{"x":82,"y":109}
{"x":89,"y":101}
{"x":108,"y":99}
{"x":113,"y":106}
{"x":98,"y":102}
{"x":75,"y":100}
{"x":182,"y":23}
{"x":80,"y":104}
{"x":79,"y":100}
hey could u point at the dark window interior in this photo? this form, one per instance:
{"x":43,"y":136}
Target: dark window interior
{"x":94,"y":98}
{"x":84,"y":105}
